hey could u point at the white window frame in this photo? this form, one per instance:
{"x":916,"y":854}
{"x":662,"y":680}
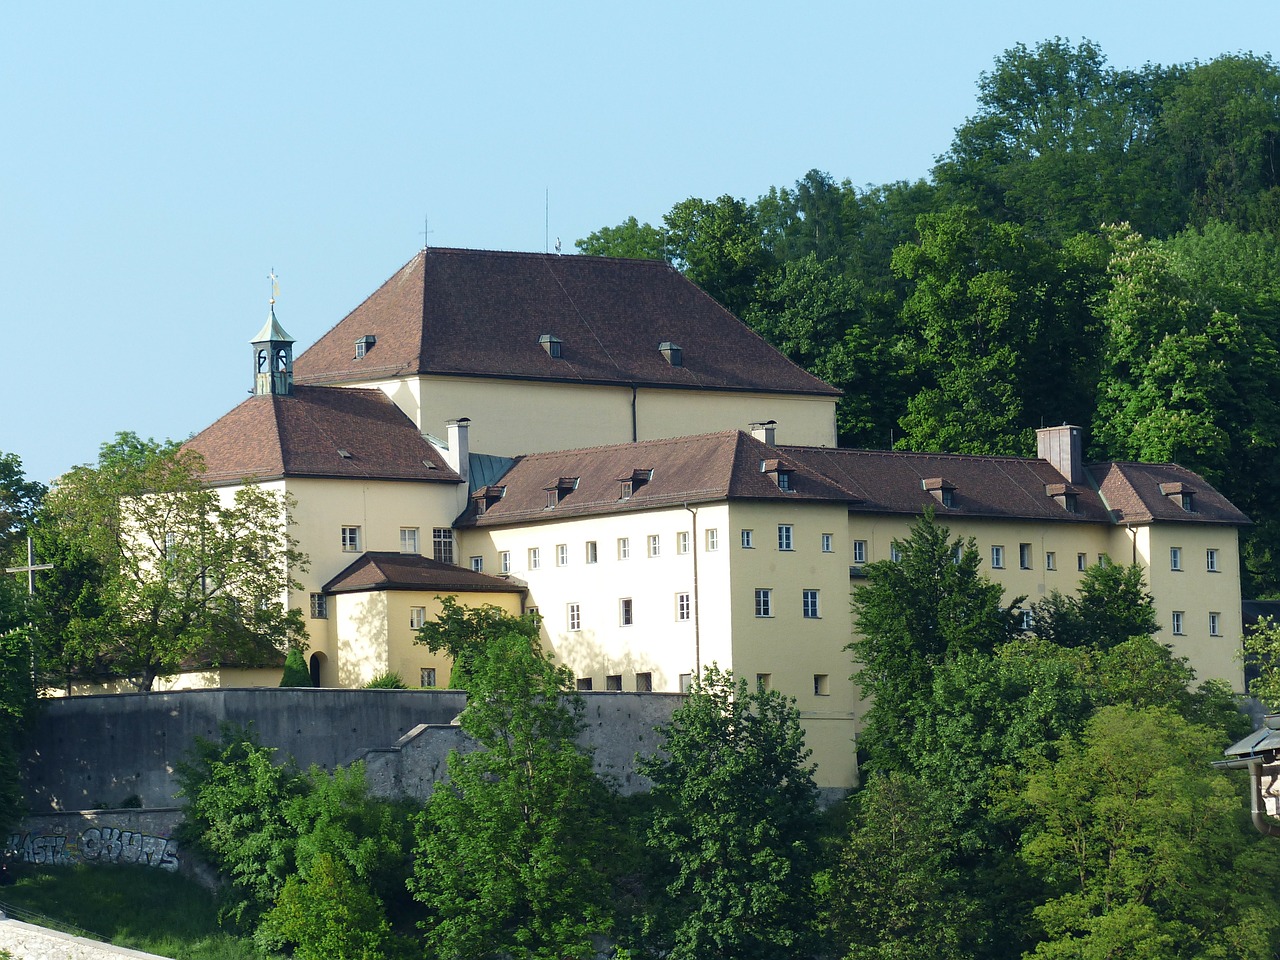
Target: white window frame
{"x":626,"y":612}
{"x":654,"y":542}
{"x":997,"y":556}
{"x":562,"y":554}
{"x":1082,"y":562}
{"x":828,"y":543}
{"x":1024,"y":556}
{"x":1215,"y":624}
{"x":786,"y":537}
{"x":713,"y":540}
{"x":592,"y":552}
{"x":1050,"y":560}
{"x":684,"y":607}
{"x":417,"y":617}
{"x":1175,"y":558}
{"x":624,"y":548}
{"x":682,"y":541}
{"x":351,"y":539}
{"x":426,"y":677}
{"x":859,"y":551}
{"x":895,"y":553}
{"x":764,"y":602}
{"x":409,"y":540}
{"x":809,"y":609}
{"x":477,"y":564}
{"x":504,"y":561}
{"x":319,"y":606}
{"x":535,"y":558}
{"x":748,"y":539}
{"x":1179,"y":622}
{"x":443,"y":545}
{"x":1211,"y":560}
{"x":573,"y":617}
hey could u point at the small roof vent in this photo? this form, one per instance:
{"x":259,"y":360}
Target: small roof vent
{"x":344,"y":454}
{"x":673,"y":353}
{"x":553,"y":345}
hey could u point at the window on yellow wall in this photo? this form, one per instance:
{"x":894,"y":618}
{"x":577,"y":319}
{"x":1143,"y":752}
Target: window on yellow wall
{"x":1211,"y":560}
{"x":408,"y":539}
{"x":644,"y":683}
{"x":504,"y":561}
{"x":613,"y":681}
{"x":1175,"y":558}
{"x":319,"y":606}
{"x":427,"y":677}
{"x":859,"y":551}
{"x":997,"y":557}
{"x":1050,"y":560}
{"x":821,"y":685}
{"x":350,"y":539}
{"x":417,"y":617}
{"x":1215,"y":624}
{"x":442,"y":544}
{"x":1082,"y":561}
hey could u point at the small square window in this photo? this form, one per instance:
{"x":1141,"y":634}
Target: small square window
{"x":1082,"y":561}
{"x":350,"y":539}
{"x":417,"y":617}
{"x":427,"y":677}
{"x":613,"y":682}
{"x":584,"y":684}
{"x":593,"y":554}
{"x":713,"y":539}
{"x":828,"y":542}
{"x":809,"y":604}
{"x":1215,"y":624}
{"x":686,"y":682}
{"x":682,"y":541}
{"x":997,"y":557}
{"x":764,"y":603}
{"x":625,"y":612}
{"x":1211,"y":560}
{"x":409,"y":540}
{"x":644,"y":683}
{"x":562,"y":554}
{"x":442,"y":544}
{"x":859,"y":551}
{"x":504,"y":561}
{"x":477,"y":564}
{"x":764,"y":682}
{"x":319,"y":606}
{"x":624,"y":548}
{"x":1178,"y":616}
{"x":1024,"y":556}
{"x":574,"y":617}
{"x":684,"y":609}
{"x":655,"y":546}
{"x":747,"y":540}
{"x":821,"y":685}
{"x":1175,"y":558}
{"x":784,"y":536}
{"x":1050,"y":560}
{"x":535,"y":558}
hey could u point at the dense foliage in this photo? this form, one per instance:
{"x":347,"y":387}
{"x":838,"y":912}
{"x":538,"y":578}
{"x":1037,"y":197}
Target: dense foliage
{"x":1097,"y":246}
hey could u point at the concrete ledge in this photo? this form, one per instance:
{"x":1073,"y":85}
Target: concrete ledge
{"x":29,"y":942}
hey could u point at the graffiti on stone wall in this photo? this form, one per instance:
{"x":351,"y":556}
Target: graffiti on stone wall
{"x":95,"y":845}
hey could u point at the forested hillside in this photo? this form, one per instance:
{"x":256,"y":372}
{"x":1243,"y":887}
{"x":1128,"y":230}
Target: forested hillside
{"x":1096,"y":246}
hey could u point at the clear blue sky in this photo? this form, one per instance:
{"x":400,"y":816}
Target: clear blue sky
{"x":158,"y":159}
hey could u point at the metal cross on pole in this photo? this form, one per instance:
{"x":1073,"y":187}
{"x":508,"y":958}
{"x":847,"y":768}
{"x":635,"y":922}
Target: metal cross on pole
{"x":30,"y":569}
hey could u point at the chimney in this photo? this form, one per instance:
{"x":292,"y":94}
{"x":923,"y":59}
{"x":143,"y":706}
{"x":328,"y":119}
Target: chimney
{"x":765,"y":432}
{"x":1061,"y":446}
{"x":459,"y":452}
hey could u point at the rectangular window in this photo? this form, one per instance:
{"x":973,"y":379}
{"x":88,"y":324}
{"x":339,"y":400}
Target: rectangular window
{"x":827,"y":543}
{"x":764,"y":682}
{"x":584,"y":684}
{"x":477,"y":564}
{"x":350,"y":539}
{"x":1082,"y":561}
{"x":682,"y":541}
{"x":684,"y":609}
{"x":859,"y":551}
{"x":562,"y":554}
{"x":644,"y":683}
{"x":895,"y":552}
{"x":504,"y":561}
{"x":784,"y":536}
{"x":574,"y":617}
{"x":1027,"y":620}
{"x":535,"y":558}
{"x":1175,"y":558}
{"x":1024,"y":556}
{"x":1104,"y":560}
{"x":713,"y":539}
{"x":1215,"y":624}
{"x":533,"y":612}
{"x":1050,"y":560}
{"x":408,"y":539}
{"x":427,"y":677}
{"x":809,"y":604}
{"x":624,"y":612}
{"x":1211,"y":560}
{"x":624,"y":548}
{"x":1177,"y":622}
{"x":997,"y":557}
{"x":417,"y":617}
{"x":319,"y":606}
{"x":442,"y":544}
{"x":686,"y":682}
{"x":613,"y":682}
{"x":764,"y":603}
{"x":821,"y":685}
{"x":593,"y":554}
{"x":655,"y":546}
{"x":747,"y":540}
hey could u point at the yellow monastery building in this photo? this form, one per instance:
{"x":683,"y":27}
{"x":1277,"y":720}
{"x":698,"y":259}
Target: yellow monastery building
{"x":599,"y":440}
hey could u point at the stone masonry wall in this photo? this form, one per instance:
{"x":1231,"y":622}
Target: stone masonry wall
{"x":27,"y":942}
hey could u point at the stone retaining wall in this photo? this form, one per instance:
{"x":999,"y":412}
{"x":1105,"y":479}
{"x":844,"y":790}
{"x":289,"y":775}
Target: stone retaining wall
{"x":27,"y":942}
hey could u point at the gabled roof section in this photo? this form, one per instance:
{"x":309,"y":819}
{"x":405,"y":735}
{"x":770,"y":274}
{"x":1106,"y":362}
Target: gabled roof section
{"x":318,"y":432}
{"x":888,"y":481}
{"x":1147,"y":492}
{"x":486,"y":313}
{"x":377,"y":570}
{"x":701,"y":469}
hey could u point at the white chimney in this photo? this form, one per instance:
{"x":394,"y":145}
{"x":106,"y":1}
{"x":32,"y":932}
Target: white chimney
{"x":765,"y":431}
{"x":459,"y":452}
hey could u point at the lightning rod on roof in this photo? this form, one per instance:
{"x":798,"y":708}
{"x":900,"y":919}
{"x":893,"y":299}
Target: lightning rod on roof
{"x":426,"y":232}
{"x":546,"y":218}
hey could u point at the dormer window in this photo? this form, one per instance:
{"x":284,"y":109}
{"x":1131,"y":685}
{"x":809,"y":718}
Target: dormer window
{"x":486,"y":497}
{"x":553,"y":345}
{"x":673,"y":353}
{"x":1181,"y":494}
{"x":560,"y":489}
{"x":636,"y":480}
{"x":779,"y":471}
{"x":943,"y":492}
{"x":364,"y":345}
{"x":627,"y":490}
{"x":1064,"y":494}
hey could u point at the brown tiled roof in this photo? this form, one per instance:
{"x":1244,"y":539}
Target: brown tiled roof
{"x":715,"y":466}
{"x":318,"y":432}
{"x":1145,"y":492}
{"x":481,"y":313}
{"x":887,"y":481}
{"x":408,"y":571}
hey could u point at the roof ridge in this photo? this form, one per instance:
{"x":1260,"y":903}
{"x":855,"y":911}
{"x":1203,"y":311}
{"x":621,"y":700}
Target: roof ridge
{"x":630,"y":444}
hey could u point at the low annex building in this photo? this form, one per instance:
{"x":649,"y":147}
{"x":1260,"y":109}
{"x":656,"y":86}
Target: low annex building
{"x":563,"y":434}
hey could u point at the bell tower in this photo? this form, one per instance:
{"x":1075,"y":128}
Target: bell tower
{"x":273,"y":354}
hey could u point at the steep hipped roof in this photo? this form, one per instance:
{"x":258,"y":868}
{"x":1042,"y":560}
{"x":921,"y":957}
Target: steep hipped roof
{"x":409,"y":571}
{"x":318,"y":432}
{"x":481,"y":313}
{"x":887,"y":481}
{"x":662,"y":473}
{"x":1145,"y":492}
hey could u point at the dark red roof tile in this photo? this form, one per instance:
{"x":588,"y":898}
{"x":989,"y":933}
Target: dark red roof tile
{"x":1144,"y":492}
{"x":409,"y":571}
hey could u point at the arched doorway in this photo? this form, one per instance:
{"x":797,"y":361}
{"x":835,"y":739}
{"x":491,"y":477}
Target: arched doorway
{"x":317,"y":665}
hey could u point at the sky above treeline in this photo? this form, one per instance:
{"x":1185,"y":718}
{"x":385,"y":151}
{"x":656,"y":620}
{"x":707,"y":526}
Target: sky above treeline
{"x":159,"y":160}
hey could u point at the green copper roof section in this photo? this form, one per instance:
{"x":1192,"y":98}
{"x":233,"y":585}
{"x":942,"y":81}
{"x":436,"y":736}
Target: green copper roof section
{"x":271,"y":330}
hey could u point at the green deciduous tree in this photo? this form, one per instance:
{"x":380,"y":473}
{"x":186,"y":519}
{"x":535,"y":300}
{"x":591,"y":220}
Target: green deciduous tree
{"x":736,"y":818}
{"x":718,"y":245}
{"x":639,"y":241}
{"x":507,"y":851}
{"x":184,"y":576}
